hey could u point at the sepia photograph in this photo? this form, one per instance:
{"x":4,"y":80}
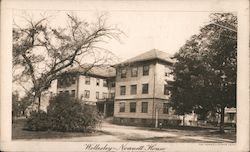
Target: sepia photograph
{"x":110,"y":76}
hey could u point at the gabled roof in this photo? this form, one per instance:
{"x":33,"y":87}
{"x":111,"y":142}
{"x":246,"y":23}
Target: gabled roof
{"x":151,"y":55}
{"x":100,"y":70}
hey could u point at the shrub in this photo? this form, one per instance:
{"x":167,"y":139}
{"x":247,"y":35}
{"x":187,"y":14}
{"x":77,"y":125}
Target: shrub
{"x":38,"y":121}
{"x":68,"y":114}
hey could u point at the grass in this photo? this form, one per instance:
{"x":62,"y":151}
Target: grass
{"x":19,"y":133}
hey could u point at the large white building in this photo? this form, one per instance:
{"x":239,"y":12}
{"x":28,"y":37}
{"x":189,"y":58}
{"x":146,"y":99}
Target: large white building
{"x":142,"y":90}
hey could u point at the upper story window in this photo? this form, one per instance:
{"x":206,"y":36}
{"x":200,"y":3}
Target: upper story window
{"x":86,"y":93}
{"x":145,"y":88}
{"x":122,"y":90}
{"x":145,"y":70}
{"x":73,"y":80}
{"x":87,"y":80}
{"x":105,"y":83}
{"x":133,"y":89}
{"x":97,"y":95}
{"x":134,"y":71}
{"x":123,"y":73}
{"x":97,"y":82}
{"x":132,"y":106}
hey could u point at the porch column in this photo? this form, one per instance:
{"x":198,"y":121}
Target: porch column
{"x":105,"y":109}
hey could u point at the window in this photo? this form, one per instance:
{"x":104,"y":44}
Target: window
{"x":144,"y":107}
{"x":97,"y":95}
{"x":166,"y":89}
{"x":145,"y":70}
{"x":165,"y":108}
{"x":87,"y":80}
{"x":67,"y":92}
{"x":122,"y":106}
{"x":134,"y":72}
{"x":143,"y":121}
{"x":132,"y":120}
{"x":132,"y":106}
{"x":60,"y":92}
{"x":73,"y":79}
{"x":104,"y":95}
{"x":97,"y":82}
{"x":105,"y":83}
{"x":133,"y":89}
{"x":60,"y":82}
{"x":145,"y":88}
{"x":230,"y":116}
{"x":86,"y":93}
{"x":122,"y":90}
{"x":73,"y":93}
{"x":123,"y":73}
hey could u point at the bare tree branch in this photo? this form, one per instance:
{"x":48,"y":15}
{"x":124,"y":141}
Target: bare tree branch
{"x":46,"y":52}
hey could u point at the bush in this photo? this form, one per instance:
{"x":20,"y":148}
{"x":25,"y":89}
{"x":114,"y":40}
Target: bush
{"x":68,"y":114}
{"x":37,"y":121}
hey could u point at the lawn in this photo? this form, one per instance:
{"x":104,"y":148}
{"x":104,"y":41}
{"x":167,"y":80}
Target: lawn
{"x":19,"y":133}
{"x":117,"y":133}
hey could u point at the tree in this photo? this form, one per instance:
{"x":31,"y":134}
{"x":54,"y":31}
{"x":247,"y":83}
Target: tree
{"x":42,"y":52}
{"x":206,"y":69}
{"x":65,"y":114}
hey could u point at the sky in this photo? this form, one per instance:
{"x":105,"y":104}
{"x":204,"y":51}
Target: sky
{"x":143,"y":30}
{"x":166,"y":31}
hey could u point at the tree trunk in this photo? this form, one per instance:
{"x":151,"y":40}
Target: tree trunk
{"x":222,"y":119}
{"x":39,"y":103}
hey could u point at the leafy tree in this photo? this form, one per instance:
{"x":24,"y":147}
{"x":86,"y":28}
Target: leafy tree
{"x":205,"y":72}
{"x":66,"y":114}
{"x":42,"y":52}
